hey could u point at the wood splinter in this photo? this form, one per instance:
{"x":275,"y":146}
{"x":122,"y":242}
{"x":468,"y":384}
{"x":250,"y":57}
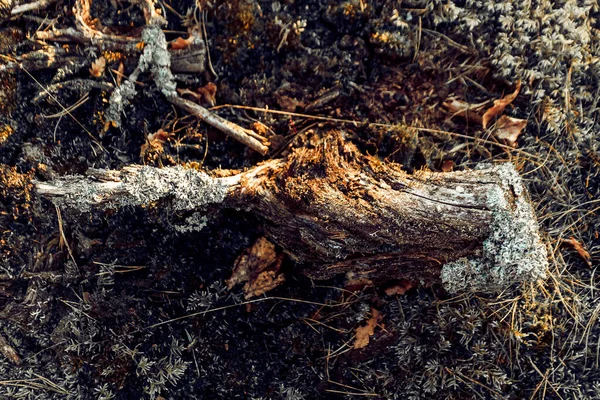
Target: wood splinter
{"x":334,"y":210}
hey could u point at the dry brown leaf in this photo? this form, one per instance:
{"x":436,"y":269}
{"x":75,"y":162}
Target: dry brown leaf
{"x":448,"y":166}
{"x":400,"y":288}
{"x":499,"y":106}
{"x":155,"y":142}
{"x":97,"y":67}
{"x":363,"y":333}
{"x":356,"y":284}
{"x":265,"y":281}
{"x":259,"y":266}
{"x":120,"y":73}
{"x":208,"y":93}
{"x":583,"y":253}
{"x":288,"y":103}
{"x":181,"y":43}
{"x":205,"y":96}
{"x":460,"y":108}
{"x":508,"y":129}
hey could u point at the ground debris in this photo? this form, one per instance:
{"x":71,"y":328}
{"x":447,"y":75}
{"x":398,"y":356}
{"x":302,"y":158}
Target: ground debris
{"x":364,"y":332}
{"x":258,"y":267}
{"x":583,"y":253}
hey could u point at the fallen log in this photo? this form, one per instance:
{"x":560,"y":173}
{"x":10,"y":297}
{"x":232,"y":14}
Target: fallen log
{"x":334,"y":210}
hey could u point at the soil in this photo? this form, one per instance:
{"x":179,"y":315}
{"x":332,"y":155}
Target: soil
{"x":120,"y":304}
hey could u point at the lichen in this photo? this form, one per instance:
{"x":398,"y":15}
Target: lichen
{"x":156,"y":59}
{"x":512,"y":253}
{"x":194,"y":223}
{"x":187,"y":189}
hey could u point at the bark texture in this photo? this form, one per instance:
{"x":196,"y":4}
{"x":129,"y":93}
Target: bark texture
{"x":334,"y":210}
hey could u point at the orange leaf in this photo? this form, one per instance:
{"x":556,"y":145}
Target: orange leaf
{"x":208,"y":93}
{"x":258,"y":266}
{"x":97,"y":67}
{"x":363,"y":333}
{"x":583,"y":253}
{"x":181,"y":43}
{"x":448,"y":166}
{"x":400,"y":288}
{"x":499,"y":106}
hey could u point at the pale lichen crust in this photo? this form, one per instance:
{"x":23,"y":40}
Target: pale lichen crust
{"x":136,"y":185}
{"x":514,"y":251}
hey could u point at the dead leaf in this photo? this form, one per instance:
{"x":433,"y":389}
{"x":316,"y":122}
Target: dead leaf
{"x":265,"y":281}
{"x":288,"y":103}
{"x":208,"y":93}
{"x":363,"y":333}
{"x":97,"y":67}
{"x":155,"y":142}
{"x":460,"y":108}
{"x":259,"y":267}
{"x":508,"y":129}
{"x":499,"y":106}
{"x":357,"y":284}
{"x":181,"y":43}
{"x":448,"y":166}
{"x":401,"y":288}
{"x":583,"y":253}
{"x":120,"y":73}
{"x":205,"y":96}
{"x":261,"y":129}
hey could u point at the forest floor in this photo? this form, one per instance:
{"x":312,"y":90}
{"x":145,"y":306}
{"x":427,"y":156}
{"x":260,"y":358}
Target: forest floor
{"x":129,"y":305}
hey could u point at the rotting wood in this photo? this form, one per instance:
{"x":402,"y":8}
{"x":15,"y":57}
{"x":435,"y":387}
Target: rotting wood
{"x":334,"y":210}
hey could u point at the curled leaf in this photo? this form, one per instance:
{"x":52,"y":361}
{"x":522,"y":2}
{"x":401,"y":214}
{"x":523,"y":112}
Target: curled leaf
{"x":400,"y":288}
{"x":499,"y":106}
{"x":508,"y":129}
{"x":205,"y":96}
{"x":583,"y":253}
{"x":208,"y":93}
{"x":460,"y":108}
{"x":155,"y":142}
{"x":120,"y":73}
{"x":181,"y":43}
{"x":448,"y":166}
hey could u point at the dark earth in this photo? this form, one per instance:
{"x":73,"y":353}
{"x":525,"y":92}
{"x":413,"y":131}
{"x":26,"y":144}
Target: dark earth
{"x":122,"y":305}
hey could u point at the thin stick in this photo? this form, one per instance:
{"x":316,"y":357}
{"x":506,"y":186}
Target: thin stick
{"x":241,"y":304}
{"x":35,"y":5}
{"x":63,"y":238}
{"x":245,"y":136}
{"x":377,"y":124}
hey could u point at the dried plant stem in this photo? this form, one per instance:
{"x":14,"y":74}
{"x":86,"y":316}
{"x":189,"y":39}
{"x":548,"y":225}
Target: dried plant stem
{"x":34,"y":5}
{"x":242,"y":135}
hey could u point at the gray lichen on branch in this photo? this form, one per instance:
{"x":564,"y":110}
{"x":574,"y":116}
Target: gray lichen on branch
{"x":137,"y":185}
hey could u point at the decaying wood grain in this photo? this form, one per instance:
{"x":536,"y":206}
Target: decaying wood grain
{"x":334,"y":210}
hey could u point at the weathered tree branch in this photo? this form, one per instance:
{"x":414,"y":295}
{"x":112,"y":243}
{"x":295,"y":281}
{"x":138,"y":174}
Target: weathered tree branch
{"x":334,"y":210}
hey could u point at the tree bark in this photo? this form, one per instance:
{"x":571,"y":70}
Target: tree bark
{"x":334,"y":210}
